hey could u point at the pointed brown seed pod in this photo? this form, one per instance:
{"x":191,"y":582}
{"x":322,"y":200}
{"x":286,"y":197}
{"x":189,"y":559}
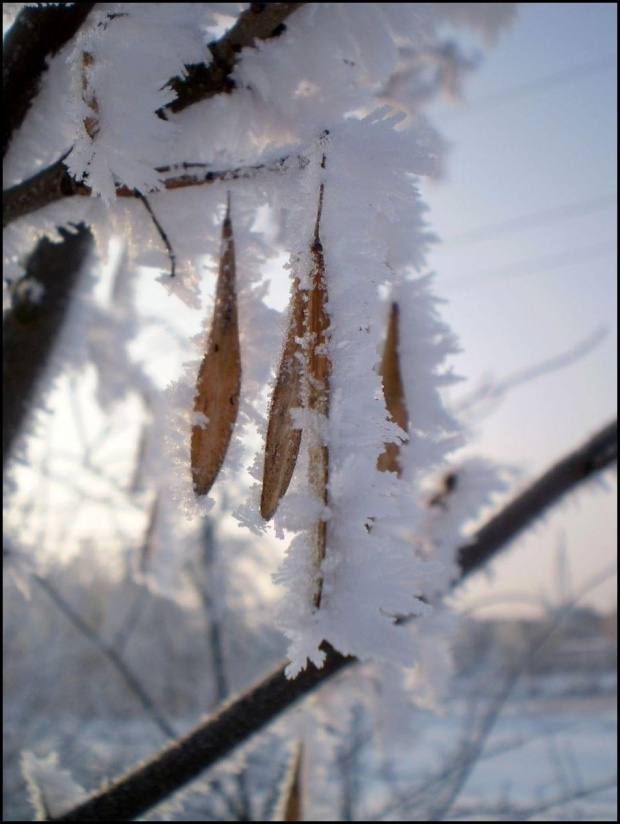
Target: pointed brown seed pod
{"x":219,"y":378}
{"x":91,"y":122}
{"x":291,"y":803}
{"x":319,"y":369}
{"x":393,"y":393}
{"x":283,"y":441}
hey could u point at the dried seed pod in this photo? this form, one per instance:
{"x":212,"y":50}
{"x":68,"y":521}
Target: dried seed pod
{"x":292,"y":794}
{"x":283,"y":441}
{"x":319,"y":369}
{"x":393,"y":393}
{"x":219,"y":379}
{"x":91,"y":122}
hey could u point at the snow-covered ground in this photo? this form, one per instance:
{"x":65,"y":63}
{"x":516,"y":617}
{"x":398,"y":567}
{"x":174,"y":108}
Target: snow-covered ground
{"x":548,"y":753}
{"x":539,"y":751}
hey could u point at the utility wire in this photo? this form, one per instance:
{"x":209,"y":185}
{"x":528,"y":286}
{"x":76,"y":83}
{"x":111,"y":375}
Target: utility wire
{"x":534,"y":266}
{"x":532,"y":219}
{"x":571,"y":74}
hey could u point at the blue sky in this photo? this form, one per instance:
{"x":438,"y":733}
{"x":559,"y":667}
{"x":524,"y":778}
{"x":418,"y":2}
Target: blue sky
{"x":528,"y":265}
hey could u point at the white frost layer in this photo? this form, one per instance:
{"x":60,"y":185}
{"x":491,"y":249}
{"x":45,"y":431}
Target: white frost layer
{"x":136,"y":47}
{"x":371,"y":217}
{"x":52,"y":790}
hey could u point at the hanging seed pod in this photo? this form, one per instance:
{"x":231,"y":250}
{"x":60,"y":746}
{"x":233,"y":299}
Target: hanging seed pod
{"x":291,"y":800}
{"x":91,"y":122}
{"x":393,"y":393}
{"x":219,"y":380}
{"x":283,"y":441}
{"x":319,"y":369}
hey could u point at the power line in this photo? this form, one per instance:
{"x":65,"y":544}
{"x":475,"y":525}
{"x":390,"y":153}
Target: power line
{"x":534,"y":266}
{"x":563,"y":77}
{"x":546,"y":216}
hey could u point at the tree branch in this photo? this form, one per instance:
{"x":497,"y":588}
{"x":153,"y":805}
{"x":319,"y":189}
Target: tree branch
{"x":260,"y":22}
{"x":175,"y":765}
{"x":142,"y":788}
{"x":596,"y":454}
{"x":36,"y":34}
{"x":55,"y":183}
{"x":40,"y":302}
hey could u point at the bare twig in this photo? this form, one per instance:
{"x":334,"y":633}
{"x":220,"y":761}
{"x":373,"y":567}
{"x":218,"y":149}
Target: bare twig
{"x":349,"y":764}
{"x":122,"y":636}
{"x":596,"y":454}
{"x":492,"y":392}
{"x":128,"y":676}
{"x":461,"y":766}
{"x":160,"y":229}
{"x":524,"y":813}
{"x":203,"y":580}
{"x":55,"y":183}
{"x":143,"y":787}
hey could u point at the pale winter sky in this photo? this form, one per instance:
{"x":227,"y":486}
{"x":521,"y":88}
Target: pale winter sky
{"x":528,"y":218}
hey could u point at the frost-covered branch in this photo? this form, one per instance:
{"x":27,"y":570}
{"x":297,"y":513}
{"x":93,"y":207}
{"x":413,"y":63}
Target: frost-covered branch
{"x":175,"y":765}
{"x":596,"y":454}
{"x":253,"y":709}
{"x":36,"y":34}
{"x":261,"y":21}
{"x":40,"y":302}
{"x":55,"y":183}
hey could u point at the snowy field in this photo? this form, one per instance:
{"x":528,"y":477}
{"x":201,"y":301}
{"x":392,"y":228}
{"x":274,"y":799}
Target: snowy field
{"x":548,"y":753}
{"x":539,"y":753}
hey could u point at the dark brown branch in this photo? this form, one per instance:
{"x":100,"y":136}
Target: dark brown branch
{"x":46,"y":187}
{"x":36,"y":34}
{"x":40,"y":302}
{"x":55,"y":183}
{"x":247,"y":713}
{"x":161,"y":232}
{"x":182,"y":761}
{"x":596,"y":454}
{"x":261,"y":21}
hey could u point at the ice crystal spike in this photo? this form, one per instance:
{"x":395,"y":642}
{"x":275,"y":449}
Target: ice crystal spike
{"x":393,"y":393}
{"x":319,"y":369}
{"x":219,"y":379}
{"x":283,"y":441}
